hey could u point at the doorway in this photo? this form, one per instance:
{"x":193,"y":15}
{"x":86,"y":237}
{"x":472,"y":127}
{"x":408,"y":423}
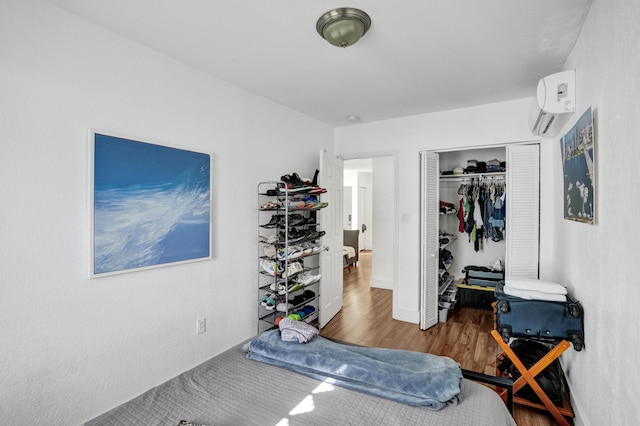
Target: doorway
{"x":370,"y":207}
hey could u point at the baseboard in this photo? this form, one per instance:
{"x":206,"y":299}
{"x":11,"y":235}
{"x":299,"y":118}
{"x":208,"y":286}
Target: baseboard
{"x":406,"y":315}
{"x":576,"y":405}
{"x":384,"y":284}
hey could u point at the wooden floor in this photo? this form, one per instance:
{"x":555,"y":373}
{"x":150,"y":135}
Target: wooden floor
{"x":365,"y":319}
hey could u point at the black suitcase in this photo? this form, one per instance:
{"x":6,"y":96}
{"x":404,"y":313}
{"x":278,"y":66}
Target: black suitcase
{"x":482,"y":276}
{"x":539,"y":319}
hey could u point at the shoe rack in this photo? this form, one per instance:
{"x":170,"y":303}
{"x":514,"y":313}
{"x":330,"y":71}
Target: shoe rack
{"x":288,"y":253}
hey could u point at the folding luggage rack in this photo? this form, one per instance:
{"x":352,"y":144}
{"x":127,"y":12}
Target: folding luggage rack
{"x":528,"y":377}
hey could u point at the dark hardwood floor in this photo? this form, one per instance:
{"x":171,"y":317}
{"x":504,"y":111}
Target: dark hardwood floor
{"x":365,"y":319}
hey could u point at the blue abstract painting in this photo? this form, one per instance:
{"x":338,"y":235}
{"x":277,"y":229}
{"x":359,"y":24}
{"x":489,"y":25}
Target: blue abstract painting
{"x":151,"y":205}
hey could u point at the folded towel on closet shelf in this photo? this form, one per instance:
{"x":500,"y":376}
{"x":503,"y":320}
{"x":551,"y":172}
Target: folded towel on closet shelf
{"x":539,"y":286}
{"x":534,"y":295}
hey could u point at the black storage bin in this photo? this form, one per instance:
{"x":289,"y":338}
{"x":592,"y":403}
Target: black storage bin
{"x":478,"y":297}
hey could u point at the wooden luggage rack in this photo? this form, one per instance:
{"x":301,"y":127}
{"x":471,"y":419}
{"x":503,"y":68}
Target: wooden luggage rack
{"x":528,"y":377}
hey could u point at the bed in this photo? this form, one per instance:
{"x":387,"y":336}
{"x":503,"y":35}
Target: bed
{"x":350,"y":247}
{"x":231,"y":389}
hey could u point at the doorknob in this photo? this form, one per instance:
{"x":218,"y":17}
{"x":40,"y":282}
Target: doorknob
{"x":364,"y":228}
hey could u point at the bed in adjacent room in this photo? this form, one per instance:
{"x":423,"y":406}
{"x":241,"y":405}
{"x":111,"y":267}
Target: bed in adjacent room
{"x":350,"y":248}
{"x":231,"y":389}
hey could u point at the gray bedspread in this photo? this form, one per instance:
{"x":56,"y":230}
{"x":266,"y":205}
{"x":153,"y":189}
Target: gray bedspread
{"x":408,"y":377}
{"x":230,"y":389}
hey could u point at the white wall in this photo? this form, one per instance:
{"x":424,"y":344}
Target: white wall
{"x":382,"y":217}
{"x":498,"y":123}
{"x":73,"y":347}
{"x":600,"y":262}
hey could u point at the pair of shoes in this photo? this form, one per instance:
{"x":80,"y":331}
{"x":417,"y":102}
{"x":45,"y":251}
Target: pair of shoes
{"x":266,"y":298}
{"x":278,"y":287}
{"x":269,"y":301}
{"x":284,"y":307}
{"x":303,"y":298}
{"x":293,"y":183}
{"x":307,"y":278}
{"x":296,"y":219}
{"x":293,"y":269}
{"x":270,"y":205}
{"x":292,"y":252}
{"x":319,"y":206}
{"x":270,"y":266}
{"x":268,"y":239}
{"x":275,"y":222}
{"x":270,"y":251}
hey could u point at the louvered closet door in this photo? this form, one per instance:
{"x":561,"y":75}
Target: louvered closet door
{"x":429,"y":241}
{"x":523,"y":211}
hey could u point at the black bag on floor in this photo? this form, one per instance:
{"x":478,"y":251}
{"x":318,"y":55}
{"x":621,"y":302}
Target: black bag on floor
{"x":550,"y":379}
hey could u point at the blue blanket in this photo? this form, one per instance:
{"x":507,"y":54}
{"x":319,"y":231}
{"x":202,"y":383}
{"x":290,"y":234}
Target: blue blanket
{"x":408,"y":377}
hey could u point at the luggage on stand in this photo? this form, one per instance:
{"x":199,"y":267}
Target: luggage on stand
{"x":539,"y":319}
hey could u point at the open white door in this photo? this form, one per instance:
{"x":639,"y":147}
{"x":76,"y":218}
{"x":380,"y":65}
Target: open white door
{"x":429,"y":242}
{"x":330,"y":219}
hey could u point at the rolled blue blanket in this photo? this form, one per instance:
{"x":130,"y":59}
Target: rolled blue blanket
{"x":412,"y":378}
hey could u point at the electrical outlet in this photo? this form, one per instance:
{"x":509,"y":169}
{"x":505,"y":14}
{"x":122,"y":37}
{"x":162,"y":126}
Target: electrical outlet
{"x":201,"y":325}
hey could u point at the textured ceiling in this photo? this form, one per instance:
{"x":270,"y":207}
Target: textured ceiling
{"x":419,"y":55}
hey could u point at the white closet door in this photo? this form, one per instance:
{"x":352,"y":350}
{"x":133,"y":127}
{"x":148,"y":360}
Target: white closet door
{"x":523,"y":211}
{"x":429,"y":241}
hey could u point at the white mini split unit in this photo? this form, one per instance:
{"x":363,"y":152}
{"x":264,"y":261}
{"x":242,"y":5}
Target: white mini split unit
{"x":556,"y":95}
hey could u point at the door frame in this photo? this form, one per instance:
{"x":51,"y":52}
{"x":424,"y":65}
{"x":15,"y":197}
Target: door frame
{"x":395,"y":154}
{"x":423,"y":254}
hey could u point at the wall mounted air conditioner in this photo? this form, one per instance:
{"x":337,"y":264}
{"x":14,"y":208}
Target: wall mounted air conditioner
{"x":555,"y":97}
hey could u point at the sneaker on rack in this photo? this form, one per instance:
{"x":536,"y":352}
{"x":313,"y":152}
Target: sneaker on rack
{"x":269,"y":251}
{"x":275,"y":221}
{"x":284,"y":307}
{"x":270,"y":205}
{"x":284,"y":253}
{"x":270,"y":304}
{"x":270,"y":239}
{"x":266,"y":298}
{"x":307,"y":278}
{"x":295,"y":286}
{"x":279,"y":288}
{"x":294,"y":268}
{"x":270,"y":266}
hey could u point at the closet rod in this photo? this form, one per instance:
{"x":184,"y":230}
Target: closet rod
{"x":455,"y":178}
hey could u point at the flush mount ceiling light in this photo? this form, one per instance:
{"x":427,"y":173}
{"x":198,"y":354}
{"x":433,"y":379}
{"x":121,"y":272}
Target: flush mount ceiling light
{"x":344,"y":26}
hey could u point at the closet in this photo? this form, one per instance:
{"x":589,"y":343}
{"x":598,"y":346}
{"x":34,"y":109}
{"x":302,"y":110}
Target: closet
{"x":515,"y":244}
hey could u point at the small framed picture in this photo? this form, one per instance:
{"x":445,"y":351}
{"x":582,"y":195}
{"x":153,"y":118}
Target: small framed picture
{"x":578,"y":166}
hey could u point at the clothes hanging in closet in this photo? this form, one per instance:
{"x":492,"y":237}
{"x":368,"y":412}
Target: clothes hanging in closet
{"x":482,"y":210}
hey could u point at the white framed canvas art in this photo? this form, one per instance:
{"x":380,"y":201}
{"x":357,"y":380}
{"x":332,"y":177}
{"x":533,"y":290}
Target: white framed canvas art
{"x":150,"y":204}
